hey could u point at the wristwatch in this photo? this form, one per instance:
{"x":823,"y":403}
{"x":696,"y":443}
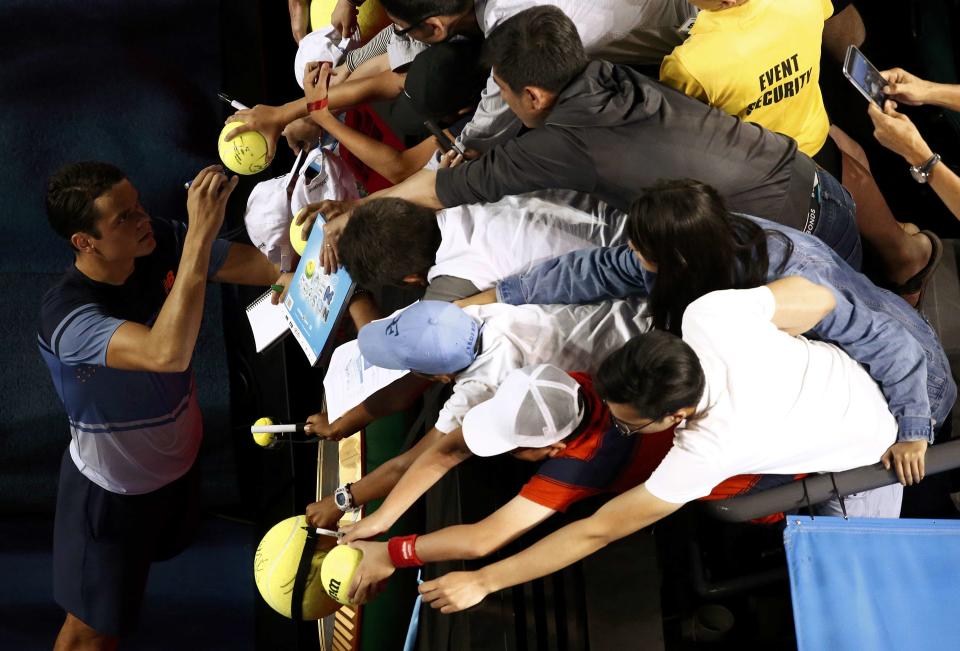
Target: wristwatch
{"x":343,"y":498}
{"x":921,"y":173}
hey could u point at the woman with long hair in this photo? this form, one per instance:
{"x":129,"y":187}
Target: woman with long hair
{"x":683,"y":243}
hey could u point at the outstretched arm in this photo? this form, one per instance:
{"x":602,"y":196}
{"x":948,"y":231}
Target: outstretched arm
{"x":375,"y":485}
{"x":619,"y":517}
{"x":462,"y":541}
{"x":446,"y":453}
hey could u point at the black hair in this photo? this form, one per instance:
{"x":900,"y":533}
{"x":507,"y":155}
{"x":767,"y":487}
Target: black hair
{"x":683,"y":227}
{"x":656,"y":373}
{"x":537,"y":47}
{"x":387,"y":239}
{"x":71,"y":192}
{"x":416,"y":11}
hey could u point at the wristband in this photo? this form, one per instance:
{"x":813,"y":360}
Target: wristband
{"x":319,"y":105}
{"x":403,"y":551}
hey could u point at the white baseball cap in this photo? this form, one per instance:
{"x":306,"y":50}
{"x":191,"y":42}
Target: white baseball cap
{"x":534,"y":407}
{"x":267,"y":217}
{"x":322,"y":44}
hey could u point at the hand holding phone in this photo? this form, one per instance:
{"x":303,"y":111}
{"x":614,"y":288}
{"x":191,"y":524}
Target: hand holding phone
{"x":445,"y":143}
{"x":864,"y":76}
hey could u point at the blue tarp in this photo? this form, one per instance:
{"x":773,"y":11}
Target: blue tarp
{"x":871,"y":584}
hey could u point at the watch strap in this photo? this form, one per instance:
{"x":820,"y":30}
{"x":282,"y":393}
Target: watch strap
{"x":928,"y":166}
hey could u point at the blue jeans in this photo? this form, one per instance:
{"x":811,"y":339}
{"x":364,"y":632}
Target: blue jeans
{"x":836,"y":224}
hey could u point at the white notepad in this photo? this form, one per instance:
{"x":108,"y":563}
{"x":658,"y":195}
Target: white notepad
{"x":350,"y":379}
{"x":267,"y":321}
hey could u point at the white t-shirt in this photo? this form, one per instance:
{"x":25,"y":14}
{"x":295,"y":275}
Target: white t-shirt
{"x":573,"y":337}
{"x":773,"y":404}
{"x":484,"y":243}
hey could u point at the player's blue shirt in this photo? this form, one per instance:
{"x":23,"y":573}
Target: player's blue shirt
{"x":131,"y":431}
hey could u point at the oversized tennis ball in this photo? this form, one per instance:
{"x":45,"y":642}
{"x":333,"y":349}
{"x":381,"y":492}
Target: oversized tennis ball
{"x":245,"y":154}
{"x":310,"y":268}
{"x":264,"y":439}
{"x":275,"y":568}
{"x":370,"y":19}
{"x":296,"y":239}
{"x":337,"y":571}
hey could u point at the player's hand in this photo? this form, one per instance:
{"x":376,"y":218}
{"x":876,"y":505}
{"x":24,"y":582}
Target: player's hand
{"x":319,"y":425}
{"x":316,"y":82}
{"x":365,"y":529}
{"x":454,"y":592}
{"x":374,"y":569}
{"x":207,"y":200}
{"x":284,"y":279}
{"x":324,"y":513}
{"x":907,"y":457}
{"x":302,"y":134}
{"x":268,"y":120}
{"x":905,"y":87}
{"x":897,"y":133}
{"x":344,"y":18}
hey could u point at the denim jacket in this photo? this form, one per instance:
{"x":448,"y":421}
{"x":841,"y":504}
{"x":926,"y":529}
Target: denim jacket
{"x":892,"y":341}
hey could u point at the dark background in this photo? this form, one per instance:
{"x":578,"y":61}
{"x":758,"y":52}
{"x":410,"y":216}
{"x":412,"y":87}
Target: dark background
{"x":135,"y":83}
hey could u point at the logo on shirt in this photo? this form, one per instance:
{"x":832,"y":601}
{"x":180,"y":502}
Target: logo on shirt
{"x":788,"y":72}
{"x":168,"y":282}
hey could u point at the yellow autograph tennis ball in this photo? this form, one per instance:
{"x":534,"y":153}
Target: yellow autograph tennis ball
{"x":275,"y":568}
{"x":370,"y":19}
{"x":264,"y":439}
{"x":310,"y":268}
{"x":245,"y":154}
{"x":337,"y":571}
{"x":296,"y":239}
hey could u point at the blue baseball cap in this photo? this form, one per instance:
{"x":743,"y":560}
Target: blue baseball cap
{"x":430,"y":337}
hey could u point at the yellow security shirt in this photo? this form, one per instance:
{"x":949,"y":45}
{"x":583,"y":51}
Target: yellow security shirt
{"x":759,"y":61}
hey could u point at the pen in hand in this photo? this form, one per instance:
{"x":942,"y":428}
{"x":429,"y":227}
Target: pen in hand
{"x":232,"y":102}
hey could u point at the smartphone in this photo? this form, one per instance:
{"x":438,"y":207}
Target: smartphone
{"x":864,"y":76}
{"x":445,"y":143}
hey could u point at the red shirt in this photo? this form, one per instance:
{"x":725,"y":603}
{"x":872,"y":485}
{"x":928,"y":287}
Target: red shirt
{"x":599,"y":460}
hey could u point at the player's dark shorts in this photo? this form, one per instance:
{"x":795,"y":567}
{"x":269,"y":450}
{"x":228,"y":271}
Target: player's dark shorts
{"x":104,"y":542}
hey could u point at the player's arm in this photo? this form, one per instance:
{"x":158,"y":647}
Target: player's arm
{"x":246,"y":265}
{"x":446,"y":452}
{"x":463,"y":541}
{"x":621,"y":516}
{"x":167,"y":346}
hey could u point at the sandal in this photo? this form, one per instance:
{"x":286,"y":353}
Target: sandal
{"x":918,"y":283}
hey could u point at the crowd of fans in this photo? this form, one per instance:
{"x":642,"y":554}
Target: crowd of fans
{"x":648,"y":287}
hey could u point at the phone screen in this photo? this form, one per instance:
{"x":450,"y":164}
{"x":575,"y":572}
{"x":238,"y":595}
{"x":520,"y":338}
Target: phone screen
{"x":864,"y":76}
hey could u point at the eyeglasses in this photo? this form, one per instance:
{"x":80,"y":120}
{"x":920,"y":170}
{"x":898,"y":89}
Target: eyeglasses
{"x":403,"y":32}
{"x":625,"y":429}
